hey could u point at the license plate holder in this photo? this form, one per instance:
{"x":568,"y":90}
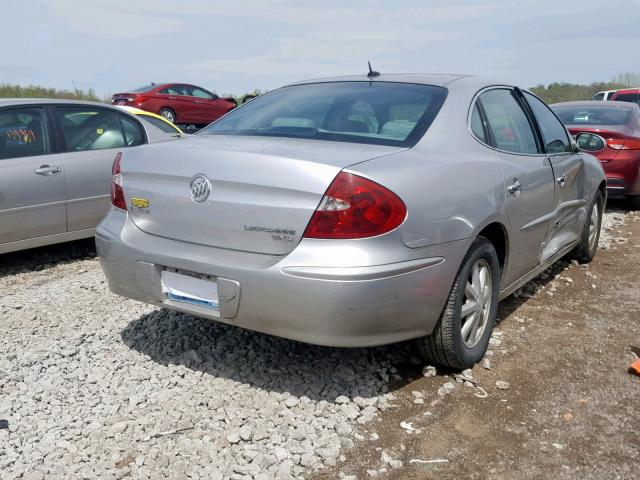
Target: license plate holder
{"x":190,"y":289}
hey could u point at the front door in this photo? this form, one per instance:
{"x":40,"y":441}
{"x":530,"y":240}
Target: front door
{"x":528,"y":178}
{"x":568,"y":170}
{"x":32,"y":179}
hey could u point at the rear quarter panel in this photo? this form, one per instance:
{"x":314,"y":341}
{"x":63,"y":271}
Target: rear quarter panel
{"x":452,"y":185}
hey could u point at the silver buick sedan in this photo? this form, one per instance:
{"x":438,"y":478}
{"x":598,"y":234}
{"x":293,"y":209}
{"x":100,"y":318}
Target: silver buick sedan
{"x":356,"y":211}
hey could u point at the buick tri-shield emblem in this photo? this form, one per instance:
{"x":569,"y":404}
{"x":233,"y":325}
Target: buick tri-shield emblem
{"x":200,"y":188}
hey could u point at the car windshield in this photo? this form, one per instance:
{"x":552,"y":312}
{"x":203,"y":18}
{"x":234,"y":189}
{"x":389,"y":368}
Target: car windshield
{"x":593,"y":115}
{"x":381,"y":113}
{"x":146,"y":88}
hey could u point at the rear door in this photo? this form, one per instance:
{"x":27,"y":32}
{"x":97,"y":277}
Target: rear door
{"x":32,"y":177}
{"x":568,"y":171}
{"x":528,"y":178}
{"x":92,"y":138}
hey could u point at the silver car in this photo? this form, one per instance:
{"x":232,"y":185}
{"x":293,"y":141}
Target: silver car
{"x":356,"y":211}
{"x":55,"y":167}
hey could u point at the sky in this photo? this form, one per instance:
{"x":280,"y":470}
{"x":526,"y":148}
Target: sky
{"x":237,"y":46}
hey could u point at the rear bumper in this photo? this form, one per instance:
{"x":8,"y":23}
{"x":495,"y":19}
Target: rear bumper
{"x":623,"y":173}
{"x":299,"y":296}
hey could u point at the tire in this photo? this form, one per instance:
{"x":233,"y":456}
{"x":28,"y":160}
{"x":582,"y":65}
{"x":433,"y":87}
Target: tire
{"x":633,"y":202}
{"x":168,"y":114}
{"x":588,"y":246}
{"x":446,"y":345}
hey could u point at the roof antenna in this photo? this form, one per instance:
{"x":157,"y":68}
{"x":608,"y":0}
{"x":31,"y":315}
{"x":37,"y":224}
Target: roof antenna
{"x":372,"y":73}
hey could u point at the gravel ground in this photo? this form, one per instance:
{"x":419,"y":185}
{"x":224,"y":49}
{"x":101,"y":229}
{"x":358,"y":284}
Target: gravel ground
{"x":552,"y":399}
{"x":96,"y":386}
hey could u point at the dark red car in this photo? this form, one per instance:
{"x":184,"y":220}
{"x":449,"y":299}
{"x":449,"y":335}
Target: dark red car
{"x":613,"y":135}
{"x":627,"y":95}
{"x":179,"y":103}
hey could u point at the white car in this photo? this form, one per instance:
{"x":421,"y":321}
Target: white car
{"x":604,"y":95}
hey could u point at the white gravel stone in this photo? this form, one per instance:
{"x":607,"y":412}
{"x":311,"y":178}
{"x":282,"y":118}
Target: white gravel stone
{"x":97,"y":386}
{"x":502,"y":385}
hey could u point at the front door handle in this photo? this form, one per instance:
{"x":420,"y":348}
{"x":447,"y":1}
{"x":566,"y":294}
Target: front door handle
{"x":561,"y":179}
{"x":48,"y":170}
{"x":515,"y":187}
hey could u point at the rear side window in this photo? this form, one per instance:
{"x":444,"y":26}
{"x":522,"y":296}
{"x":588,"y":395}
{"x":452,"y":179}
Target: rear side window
{"x":133,"y":134}
{"x":89,"y":128}
{"x":511,"y":129}
{"x":382,"y":113}
{"x":556,"y":139}
{"x":23,"y":133}
{"x":477,"y":126}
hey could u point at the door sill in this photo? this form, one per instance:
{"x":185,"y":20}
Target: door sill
{"x":47,"y":240}
{"x":536,"y":271}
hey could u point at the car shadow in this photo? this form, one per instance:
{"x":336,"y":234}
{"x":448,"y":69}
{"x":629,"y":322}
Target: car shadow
{"x":268,"y":362}
{"x":43,"y":258}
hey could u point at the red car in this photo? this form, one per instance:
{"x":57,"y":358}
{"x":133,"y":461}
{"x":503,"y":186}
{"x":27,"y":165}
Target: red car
{"x":177,"y":102}
{"x":627,"y":95}
{"x":613,"y":135}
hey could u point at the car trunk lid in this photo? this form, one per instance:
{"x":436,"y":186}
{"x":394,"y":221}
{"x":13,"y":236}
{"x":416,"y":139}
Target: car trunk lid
{"x":263,"y":190}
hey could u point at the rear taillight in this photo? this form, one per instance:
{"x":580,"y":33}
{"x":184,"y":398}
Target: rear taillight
{"x":622,"y":143}
{"x":354,"y":207}
{"x":117,"y":193}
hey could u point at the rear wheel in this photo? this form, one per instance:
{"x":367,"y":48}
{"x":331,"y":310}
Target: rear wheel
{"x":461,"y":337}
{"x":586,"y":249}
{"x":168,"y":114}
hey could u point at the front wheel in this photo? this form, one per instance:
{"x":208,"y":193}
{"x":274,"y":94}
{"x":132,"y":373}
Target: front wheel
{"x":461,"y":337}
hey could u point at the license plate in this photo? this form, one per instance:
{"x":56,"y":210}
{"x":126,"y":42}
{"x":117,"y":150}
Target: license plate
{"x":120,"y":102}
{"x":189,"y":289}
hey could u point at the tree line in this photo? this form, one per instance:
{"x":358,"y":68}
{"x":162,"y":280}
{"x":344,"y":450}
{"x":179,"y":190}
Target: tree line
{"x":552,"y":93}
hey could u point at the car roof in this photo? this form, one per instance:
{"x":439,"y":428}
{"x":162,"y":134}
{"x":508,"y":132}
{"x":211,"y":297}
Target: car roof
{"x":596,"y":103}
{"x":629,"y":90}
{"x":4,"y":102}
{"x":437,"y":79}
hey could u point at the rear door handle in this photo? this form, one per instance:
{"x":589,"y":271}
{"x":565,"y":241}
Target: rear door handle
{"x":48,"y":170}
{"x":515,"y":187}
{"x":561,"y":179}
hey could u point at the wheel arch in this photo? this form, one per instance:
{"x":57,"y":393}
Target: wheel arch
{"x":497,"y":234}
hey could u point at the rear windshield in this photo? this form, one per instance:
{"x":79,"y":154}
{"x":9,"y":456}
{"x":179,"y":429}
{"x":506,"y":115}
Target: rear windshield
{"x":628,"y":97}
{"x":381,"y":113}
{"x":146,"y":88}
{"x":593,"y":115}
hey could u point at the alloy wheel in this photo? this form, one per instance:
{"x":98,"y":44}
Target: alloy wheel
{"x":476,"y":306}
{"x":594,"y":222}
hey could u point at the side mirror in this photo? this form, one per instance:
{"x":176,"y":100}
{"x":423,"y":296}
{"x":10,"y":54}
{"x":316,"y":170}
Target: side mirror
{"x":590,"y":142}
